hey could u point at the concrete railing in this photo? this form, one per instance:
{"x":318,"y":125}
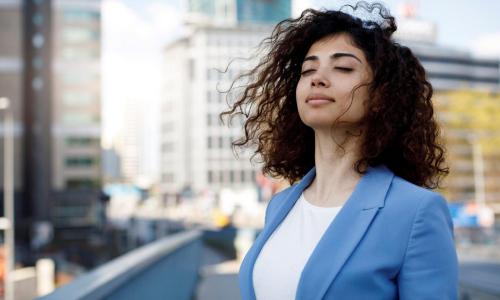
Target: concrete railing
{"x":165,"y":269}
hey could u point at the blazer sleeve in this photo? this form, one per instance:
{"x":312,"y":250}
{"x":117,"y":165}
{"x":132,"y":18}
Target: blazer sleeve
{"x":430,"y":265}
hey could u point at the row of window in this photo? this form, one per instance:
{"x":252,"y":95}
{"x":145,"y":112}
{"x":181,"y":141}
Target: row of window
{"x":79,"y":98}
{"x":81,"y":16}
{"x":238,"y":39}
{"x":80,"y":35}
{"x":79,"y":78}
{"x":213,"y":142}
{"x":214,"y":120}
{"x":88,"y":53}
{"x":82,"y":183}
{"x":231,"y":176}
{"x":80,"y":118}
{"x":80,"y":141}
{"x":80,"y":161}
{"x":219,"y":142}
{"x":221,"y":176}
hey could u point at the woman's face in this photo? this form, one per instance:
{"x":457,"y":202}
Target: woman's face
{"x":331,"y":70}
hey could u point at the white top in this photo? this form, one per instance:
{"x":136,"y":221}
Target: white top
{"x":280,"y":263}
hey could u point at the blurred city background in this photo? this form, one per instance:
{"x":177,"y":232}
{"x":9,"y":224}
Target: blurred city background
{"x":120,"y":177}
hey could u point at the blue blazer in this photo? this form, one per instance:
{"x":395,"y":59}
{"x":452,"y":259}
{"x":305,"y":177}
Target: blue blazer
{"x":391,"y":240}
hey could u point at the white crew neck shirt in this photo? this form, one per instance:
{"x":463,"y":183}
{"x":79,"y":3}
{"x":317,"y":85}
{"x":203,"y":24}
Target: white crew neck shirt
{"x":280,"y":263}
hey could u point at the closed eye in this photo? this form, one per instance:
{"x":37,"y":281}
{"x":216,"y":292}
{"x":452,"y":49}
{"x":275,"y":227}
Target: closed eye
{"x":346,"y":70}
{"x":305,"y":72}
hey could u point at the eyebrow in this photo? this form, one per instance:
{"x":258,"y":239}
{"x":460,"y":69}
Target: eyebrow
{"x":333,"y":56}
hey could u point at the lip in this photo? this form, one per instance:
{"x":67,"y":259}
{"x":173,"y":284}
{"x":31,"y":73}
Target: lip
{"x":317,"y":98}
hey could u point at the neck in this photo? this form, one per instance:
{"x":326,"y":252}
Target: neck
{"x":335,"y":156}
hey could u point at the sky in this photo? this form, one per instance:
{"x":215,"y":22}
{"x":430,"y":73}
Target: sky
{"x":463,"y":24}
{"x":136,"y":31}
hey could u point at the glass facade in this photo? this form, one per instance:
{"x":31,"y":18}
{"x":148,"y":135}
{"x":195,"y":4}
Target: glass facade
{"x":247,"y":11}
{"x":263,"y":11}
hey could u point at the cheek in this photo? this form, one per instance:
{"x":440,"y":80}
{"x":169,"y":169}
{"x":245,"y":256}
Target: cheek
{"x":300,"y":90}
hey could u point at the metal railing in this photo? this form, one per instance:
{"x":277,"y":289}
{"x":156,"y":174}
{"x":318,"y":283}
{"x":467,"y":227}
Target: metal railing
{"x":165,"y":269}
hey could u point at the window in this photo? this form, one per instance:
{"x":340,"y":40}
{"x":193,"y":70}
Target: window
{"x":82,"y":161}
{"x":78,"y":183}
{"x":168,"y":147}
{"x":79,"y":141}
{"x":79,"y":35}
{"x":209,"y":120}
{"x":79,"y":118}
{"x":80,"y":15}
{"x":37,"y":19}
{"x":79,"y":78}
{"x":210,"y":176}
{"x":78,"y":98}
{"x":72,"y":53}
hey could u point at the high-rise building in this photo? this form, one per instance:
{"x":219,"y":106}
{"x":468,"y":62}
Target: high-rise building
{"x":232,"y":12}
{"x":76,"y":118}
{"x":196,"y":151}
{"x":195,"y":148}
{"x":11,"y":64}
{"x":263,"y":11}
{"x":76,"y":94}
{"x":129,"y":140}
{"x":50,"y":69}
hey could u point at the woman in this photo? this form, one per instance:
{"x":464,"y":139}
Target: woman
{"x":345,"y":114}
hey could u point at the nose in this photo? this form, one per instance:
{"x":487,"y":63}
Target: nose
{"x":318,"y":80}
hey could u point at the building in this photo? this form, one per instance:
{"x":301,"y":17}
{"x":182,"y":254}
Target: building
{"x":232,"y":12}
{"x":196,"y":152}
{"x":76,"y":132}
{"x":50,"y":68}
{"x":11,"y":64}
{"x":129,"y":140}
{"x":451,"y":70}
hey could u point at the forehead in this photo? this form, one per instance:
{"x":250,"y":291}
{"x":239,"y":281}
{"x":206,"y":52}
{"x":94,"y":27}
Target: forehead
{"x":335,"y":43}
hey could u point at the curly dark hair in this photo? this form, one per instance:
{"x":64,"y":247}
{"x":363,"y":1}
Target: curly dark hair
{"x":401,"y":131}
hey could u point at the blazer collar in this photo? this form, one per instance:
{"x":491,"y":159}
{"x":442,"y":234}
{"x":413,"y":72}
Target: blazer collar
{"x":339,"y":239}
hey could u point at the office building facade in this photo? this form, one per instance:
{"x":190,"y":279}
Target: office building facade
{"x":50,"y":69}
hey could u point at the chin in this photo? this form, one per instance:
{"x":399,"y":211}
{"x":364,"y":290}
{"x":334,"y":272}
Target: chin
{"x":319,"y":123}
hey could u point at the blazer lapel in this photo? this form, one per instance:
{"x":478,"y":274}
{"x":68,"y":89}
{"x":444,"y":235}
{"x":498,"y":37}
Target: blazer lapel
{"x":344,"y":233}
{"x":282,"y":210}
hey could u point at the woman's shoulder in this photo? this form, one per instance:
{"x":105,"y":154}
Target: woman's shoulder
{"x":407,"y":194}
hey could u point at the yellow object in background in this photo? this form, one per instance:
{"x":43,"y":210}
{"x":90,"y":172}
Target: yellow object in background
{"x":220,"y":219}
